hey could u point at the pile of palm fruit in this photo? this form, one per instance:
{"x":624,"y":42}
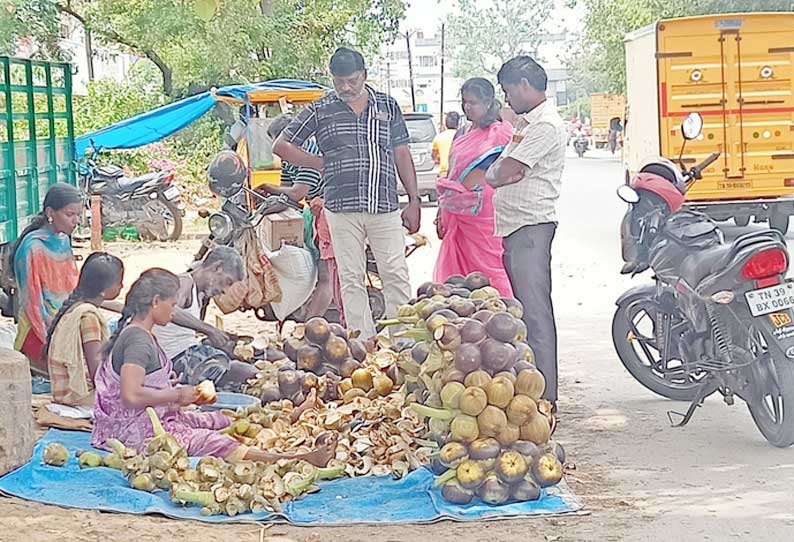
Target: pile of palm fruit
{"x":325,"y":357}
{"x":471,"y":374}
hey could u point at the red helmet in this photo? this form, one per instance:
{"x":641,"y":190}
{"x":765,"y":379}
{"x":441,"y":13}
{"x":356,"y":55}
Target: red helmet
{"x":660,"y":186}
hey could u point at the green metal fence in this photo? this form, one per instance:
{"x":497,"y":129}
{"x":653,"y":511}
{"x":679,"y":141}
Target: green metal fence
{"x":36,"y":138}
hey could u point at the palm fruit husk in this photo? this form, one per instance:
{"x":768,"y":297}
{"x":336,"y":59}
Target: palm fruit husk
{"x":491,"y":421}
{"x":452,"y":454}
{"x":521,"y":410}
{"x":143,"y":482}
{"x":547,"y":470}
{"x":55,"y":455}
{"x":493,"y":491}
{"x":530,"y":382}
{"x":479,"y":379}
{"x":511,"y":466}
{"x":500,"y":392}
{"x":464,"y":428}
{"x":509,"y":435}
{"x":206,"y":391}
{"x":89,"y":460}
{"x":453,"y":492}
{"x":473,"y":401}
{"x":470,"y":474}
{"x":537,"y":430}
{"x":450,"y":395}
{"x":526,"y":490}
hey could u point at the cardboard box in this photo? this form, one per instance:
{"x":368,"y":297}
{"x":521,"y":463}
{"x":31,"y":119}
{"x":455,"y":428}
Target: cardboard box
{"x":285,"y":227}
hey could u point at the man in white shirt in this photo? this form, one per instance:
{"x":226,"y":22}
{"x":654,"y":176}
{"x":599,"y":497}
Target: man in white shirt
{"x":527,"y":179}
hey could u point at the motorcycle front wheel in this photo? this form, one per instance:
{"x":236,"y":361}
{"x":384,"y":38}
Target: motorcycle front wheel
{"x":641,"y":356}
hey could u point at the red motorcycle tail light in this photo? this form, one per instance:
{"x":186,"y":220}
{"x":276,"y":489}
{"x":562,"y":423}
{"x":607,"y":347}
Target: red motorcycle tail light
{"x":169,"y":179}
{"x":765,"y":264}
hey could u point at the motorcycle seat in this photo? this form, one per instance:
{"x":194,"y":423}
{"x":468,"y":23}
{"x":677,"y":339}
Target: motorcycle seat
{"x":701,"y":264}
{"x":128,"y":185}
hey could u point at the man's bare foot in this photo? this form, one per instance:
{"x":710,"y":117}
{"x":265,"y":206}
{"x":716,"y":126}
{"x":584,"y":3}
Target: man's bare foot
{"x":325,"y":452}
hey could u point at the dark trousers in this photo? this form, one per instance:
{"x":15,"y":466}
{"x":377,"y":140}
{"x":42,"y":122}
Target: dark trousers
{"x":527,"y":259}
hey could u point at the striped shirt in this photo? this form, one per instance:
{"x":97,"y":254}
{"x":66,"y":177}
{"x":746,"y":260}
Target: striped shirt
{"x":291,"y":175}
{"x":539,"y":140}
{"x":360,"y":174}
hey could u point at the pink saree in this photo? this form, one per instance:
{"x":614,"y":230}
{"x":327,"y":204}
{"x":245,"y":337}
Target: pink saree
{"x":469,"y":243}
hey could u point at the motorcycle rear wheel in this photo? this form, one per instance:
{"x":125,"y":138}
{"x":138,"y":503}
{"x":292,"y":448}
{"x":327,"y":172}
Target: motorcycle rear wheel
{"x":683,"y":389}
{"x":774,"y":414}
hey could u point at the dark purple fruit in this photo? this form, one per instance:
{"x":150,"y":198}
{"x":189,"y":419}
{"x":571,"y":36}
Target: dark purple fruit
{"x":467,"y":358}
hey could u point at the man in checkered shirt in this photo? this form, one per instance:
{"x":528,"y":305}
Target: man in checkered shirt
{"x":527,"y":178}
{"x":363,"y":139}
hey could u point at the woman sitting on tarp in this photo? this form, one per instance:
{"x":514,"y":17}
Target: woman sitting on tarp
{"x":44,"y":270}
{"x":136,"y":374}
{"x":306,"y":184}
{"x":79,"y":331}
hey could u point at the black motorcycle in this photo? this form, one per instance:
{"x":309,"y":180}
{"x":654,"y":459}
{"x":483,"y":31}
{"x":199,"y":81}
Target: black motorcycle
{"x":718,"y":316}
{"x":151,"y":203}
{"x":580,"y":144}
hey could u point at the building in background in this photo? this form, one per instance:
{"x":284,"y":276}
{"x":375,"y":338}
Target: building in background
{"x":105,"y":62}
{"x":391,"y":73}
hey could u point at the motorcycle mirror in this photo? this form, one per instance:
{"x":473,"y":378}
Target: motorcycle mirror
{"x":628,"y":194}
{"x":692,"y":126}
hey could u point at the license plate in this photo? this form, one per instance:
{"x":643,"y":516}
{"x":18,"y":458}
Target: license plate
{"x":773,"y":299}
{"x":172,"y":192}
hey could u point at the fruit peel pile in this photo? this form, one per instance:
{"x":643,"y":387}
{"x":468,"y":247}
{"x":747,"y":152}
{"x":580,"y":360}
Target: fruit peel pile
{"x":217,"y":486}
{"x":471,"y":374}
{"x":378,"y":437}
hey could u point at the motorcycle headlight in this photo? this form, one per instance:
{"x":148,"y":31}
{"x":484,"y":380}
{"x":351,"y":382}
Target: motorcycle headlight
{"x":221,"y":227}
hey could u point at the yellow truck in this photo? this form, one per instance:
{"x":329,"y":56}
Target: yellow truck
{"x":738,"y":72}
{"x":605,"y":111}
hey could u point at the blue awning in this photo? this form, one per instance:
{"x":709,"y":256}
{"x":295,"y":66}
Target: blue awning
{"x":164,"y":121}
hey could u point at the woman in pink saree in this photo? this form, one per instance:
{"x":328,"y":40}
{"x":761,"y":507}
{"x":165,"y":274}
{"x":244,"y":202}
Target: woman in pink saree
{"x":465,"y":221}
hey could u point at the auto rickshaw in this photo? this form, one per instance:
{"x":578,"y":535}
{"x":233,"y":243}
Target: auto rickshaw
{"x":261,"y":105}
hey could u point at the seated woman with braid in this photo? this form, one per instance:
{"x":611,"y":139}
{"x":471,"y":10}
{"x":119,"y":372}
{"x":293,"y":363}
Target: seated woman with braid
{"x":79,"y":331}
{"x":136,"y":374}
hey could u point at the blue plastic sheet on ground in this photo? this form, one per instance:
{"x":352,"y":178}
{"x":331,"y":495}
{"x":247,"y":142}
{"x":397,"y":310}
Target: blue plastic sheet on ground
{"x":340,"y":502}
{"x":167,"y":120}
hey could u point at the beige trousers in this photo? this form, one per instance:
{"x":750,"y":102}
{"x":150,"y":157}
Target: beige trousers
{"x":350,"y":234}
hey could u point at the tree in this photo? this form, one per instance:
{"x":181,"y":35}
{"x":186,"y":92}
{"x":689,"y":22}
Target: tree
{"x":34,"y":20}
{"x":608,"y":21}
{"x":196,"y":44}
{"x":483,"y":38}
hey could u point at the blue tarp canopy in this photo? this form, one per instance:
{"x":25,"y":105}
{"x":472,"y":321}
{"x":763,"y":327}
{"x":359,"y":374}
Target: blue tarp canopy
{"x":167,"y":120}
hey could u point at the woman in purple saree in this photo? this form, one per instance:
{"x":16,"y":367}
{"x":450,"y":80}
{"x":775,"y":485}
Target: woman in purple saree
{"x":136,"y":374}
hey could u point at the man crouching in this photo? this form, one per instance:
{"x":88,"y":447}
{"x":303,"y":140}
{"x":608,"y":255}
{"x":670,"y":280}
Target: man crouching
{"x":193,"y":359}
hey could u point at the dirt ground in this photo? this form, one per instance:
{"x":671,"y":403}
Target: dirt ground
{"x":640,"y":479}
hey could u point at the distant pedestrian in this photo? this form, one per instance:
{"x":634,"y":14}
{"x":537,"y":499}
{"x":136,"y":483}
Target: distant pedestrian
{"x":443,"y":142}
{"x":527,"y":178}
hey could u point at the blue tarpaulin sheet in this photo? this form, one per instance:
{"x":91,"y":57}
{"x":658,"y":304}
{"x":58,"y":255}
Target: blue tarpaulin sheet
{"x":164,"y":121}
{"x":340,"y":502}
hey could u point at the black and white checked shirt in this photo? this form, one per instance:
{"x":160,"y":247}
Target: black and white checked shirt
{"x":360,"y":174}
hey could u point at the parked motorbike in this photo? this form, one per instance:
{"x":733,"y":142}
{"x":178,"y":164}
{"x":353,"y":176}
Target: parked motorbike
{"x":151,"y":202}
{"x":227,"y":227}
{"x":581,"y":144}
{"x":718,"y":317}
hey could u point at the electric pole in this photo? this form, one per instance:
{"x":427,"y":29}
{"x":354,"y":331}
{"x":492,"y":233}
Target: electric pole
{"x":411,"y":70}
{"x":443,"y":54}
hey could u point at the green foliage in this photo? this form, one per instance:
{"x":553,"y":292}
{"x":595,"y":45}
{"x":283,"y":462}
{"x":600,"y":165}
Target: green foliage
{"x":36,"y":20}
{"x":194,"y":47}
{"x":608,"y":21}
{"x":483,"y":38}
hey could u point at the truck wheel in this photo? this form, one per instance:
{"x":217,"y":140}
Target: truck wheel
{"x":779,"y":222}
{"x":742,"y":220}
